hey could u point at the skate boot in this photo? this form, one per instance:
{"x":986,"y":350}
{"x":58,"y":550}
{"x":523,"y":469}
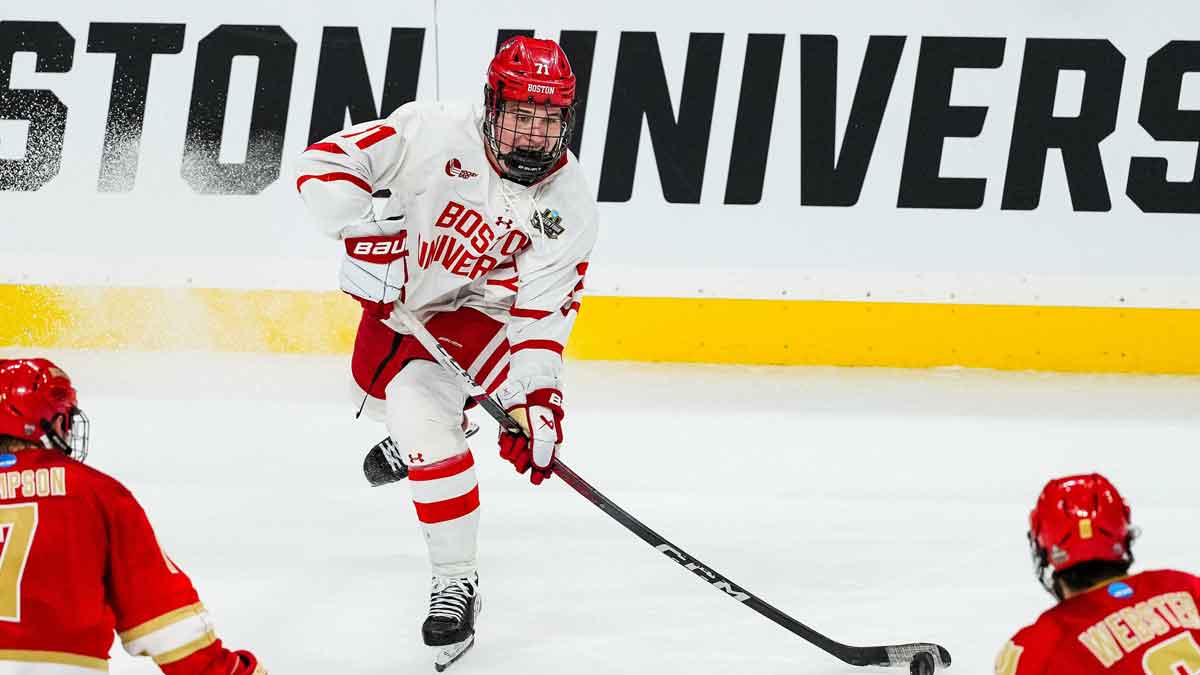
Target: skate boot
{"x":454,"y":602}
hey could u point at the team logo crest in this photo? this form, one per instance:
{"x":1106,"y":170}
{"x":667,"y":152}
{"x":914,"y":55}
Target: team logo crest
{"x":549,"y":223}
{"x":454,"y":170}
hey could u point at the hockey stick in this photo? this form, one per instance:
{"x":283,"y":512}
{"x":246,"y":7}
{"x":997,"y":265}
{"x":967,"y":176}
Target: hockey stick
{"x":383,"y":465}
{"x":918,"y":656}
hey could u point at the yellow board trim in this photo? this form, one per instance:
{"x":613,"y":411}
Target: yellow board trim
{"x":159,"y":622}
{"x":292,"y":322}
{"x":763,"y":332}
{"x":181,"y":653}
{"x":905,"y":335}
{"x":61,"y":658}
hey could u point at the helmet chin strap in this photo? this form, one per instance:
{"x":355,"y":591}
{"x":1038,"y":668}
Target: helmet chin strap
{"x":1056,"y":589}
{"x":52,"y":440}
{"x":74,"y":444}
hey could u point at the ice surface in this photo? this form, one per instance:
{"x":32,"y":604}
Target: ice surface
{"x":877,"y":506}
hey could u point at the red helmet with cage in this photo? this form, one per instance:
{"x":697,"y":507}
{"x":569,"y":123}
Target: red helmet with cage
{"x":530,"y":80}
{"x":38,"y":404}
{"x":1078,"y":519}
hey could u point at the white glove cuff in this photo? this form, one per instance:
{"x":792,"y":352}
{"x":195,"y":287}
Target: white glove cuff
{"x":513,"y":393}
{"x":371,"y":281}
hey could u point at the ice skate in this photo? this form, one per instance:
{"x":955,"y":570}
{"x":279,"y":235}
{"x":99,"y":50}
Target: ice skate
{"x":454,"y":603}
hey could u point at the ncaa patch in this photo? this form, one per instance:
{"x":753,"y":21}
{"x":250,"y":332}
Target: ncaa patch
{"x":549,"y":223}
{"x":1120,"y":590}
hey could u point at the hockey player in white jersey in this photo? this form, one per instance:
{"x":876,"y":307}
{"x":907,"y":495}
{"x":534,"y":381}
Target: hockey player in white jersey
{"x":486,"y":238}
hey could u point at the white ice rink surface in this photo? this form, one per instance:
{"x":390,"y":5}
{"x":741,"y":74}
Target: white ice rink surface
{"x":877,"y":506}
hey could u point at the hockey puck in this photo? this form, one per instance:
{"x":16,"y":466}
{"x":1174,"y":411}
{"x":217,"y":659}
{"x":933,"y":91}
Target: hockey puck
{"x":922,"y":664}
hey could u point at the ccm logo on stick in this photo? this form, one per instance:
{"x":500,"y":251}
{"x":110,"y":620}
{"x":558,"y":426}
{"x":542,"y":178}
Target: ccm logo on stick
{"x":703,"y":572}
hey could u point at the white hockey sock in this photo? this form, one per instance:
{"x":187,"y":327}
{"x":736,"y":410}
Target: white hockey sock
{"x":446,"y":495}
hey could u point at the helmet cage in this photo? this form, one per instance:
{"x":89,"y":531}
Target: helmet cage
{"x":526,"y":165}
{"x":1041,"y":566}
{"x":78,"y":429}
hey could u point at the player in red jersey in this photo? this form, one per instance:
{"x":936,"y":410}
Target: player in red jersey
{"x":1106,"y":620}
{"x":78,"y":559}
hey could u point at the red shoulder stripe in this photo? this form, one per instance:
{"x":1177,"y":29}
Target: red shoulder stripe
{"x":330,"y":177}
{"x":332,"y":148}
{"x":378,"y":135}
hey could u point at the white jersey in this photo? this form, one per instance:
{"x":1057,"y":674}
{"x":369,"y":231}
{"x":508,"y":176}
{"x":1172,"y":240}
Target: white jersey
{"x":454,"y":233}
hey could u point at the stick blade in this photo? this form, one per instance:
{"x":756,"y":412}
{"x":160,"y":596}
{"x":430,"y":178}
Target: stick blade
{"x":903,"y":655}
{"x":382,"y":464}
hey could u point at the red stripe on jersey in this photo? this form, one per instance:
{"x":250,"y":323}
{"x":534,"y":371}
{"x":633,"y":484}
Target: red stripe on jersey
{"x":378,"y":135}
{"x":581,"y":268}
{"x":574,"y":306}
{"x":352,"y":134}
{"x":444,"y":469}
{"x":330,"y":177}
{"x":491,"y":362}
{"x":333,"y":148}
{"x":447,"y":509}
{"x":491,"y":389}
{"x":538,"y":344}
{"x":529,"y":313}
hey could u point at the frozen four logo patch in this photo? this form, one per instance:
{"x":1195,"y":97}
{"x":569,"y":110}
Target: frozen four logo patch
{"x":549,"y":223}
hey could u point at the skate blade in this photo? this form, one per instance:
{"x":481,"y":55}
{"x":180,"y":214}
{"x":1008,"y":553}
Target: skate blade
{"x":448,"y":654}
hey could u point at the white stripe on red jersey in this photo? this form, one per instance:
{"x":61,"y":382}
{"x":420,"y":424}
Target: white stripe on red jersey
{"x":170,"y":633}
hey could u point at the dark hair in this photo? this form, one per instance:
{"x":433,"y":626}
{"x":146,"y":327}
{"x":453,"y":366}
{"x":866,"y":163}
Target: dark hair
{"x":11,"y":443}
{"x":1091,"y":572}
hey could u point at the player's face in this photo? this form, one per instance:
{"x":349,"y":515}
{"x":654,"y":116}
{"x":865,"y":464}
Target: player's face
{"x":527,"y":126}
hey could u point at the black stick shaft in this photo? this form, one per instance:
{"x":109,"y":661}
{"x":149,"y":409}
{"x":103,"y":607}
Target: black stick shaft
{"x":896,"y":655}
{"x":717,"y":580}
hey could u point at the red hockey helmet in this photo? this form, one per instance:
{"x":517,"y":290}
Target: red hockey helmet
{"x":38,"y":404}
{"x":533,"y":72}
{"x":1078,"y":519}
